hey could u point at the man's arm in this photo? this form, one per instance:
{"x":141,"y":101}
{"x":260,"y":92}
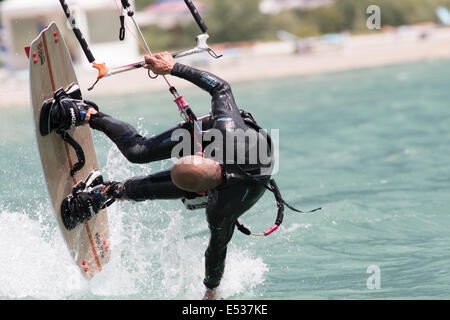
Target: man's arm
{"x":164,"y":64}
{"x":223,"y":105}
{"x":201,"y":79}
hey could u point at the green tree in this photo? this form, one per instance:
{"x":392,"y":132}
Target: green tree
{"x":328,"y":19}
{"x":141,"y":4}
{"x":231,"y":20}
{"x":394,"y":13}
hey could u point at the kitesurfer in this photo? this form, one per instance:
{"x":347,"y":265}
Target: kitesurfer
{"x":226,"y":183}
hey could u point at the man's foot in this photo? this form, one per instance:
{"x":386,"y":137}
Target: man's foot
{"x":87,"y":199}
{"x":65,"y":110}
{"x":210,"y":294}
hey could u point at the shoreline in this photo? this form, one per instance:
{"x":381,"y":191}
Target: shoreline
{"x":264,"y":61}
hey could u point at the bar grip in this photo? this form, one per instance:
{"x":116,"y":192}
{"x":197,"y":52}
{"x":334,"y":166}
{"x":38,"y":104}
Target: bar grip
{"x":196,"y":16}
{"x":176,"y":54}
{"x":77,"y":32}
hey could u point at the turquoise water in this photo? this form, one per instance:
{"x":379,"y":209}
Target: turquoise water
{"x":370,"y":146}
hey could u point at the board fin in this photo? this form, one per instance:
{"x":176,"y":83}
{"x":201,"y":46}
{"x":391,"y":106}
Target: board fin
{"x":27,"y":51}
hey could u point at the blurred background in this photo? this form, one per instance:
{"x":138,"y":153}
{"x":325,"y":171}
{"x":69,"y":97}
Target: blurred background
{"x":294,"y":37}
{"x":363,"y":121}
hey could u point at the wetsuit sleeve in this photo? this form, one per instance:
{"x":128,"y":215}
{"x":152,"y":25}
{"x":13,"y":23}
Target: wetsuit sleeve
{"x":223,"y":105}
{"x":136,"y":148}
{"x":203,"y":79}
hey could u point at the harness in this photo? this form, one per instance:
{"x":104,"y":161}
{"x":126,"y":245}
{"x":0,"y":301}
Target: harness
{"x":201,"y":201}
{"x":272,"y":187}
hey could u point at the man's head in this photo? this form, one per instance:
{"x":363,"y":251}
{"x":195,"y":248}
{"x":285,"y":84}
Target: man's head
{"x":196,"y":174}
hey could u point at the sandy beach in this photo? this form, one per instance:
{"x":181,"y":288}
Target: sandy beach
{"x":266,"y":60}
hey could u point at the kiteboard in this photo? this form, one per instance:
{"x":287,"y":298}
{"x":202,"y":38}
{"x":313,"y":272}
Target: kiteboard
{"x":51,"y":68}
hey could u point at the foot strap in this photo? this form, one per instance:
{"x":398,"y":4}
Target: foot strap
{"x":78,"y":150}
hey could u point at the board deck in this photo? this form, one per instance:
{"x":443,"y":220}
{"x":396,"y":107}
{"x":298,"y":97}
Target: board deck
{"x":51,"y":68}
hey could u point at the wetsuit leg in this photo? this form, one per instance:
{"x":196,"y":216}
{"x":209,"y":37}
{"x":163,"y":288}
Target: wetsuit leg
{"x":158,"y":186}
{"x":221,"y":234}
{"x":225,"y":206}
{"x":132,"y":145}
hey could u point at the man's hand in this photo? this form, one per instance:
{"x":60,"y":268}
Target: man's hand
{"x":90,"y":112}
{"x":160,"y":63}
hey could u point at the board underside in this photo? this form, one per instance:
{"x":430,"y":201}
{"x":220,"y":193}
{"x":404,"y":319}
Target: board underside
{"x":51,"y":68}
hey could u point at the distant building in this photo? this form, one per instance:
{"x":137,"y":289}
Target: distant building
{"x":23,"y":20}
{"x":275,"y":6}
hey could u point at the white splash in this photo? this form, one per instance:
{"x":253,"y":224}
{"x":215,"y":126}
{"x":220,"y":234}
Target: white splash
{"x":157,"y":252}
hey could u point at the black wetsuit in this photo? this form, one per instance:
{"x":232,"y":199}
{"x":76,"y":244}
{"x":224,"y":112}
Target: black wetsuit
{"x":226,"y":203}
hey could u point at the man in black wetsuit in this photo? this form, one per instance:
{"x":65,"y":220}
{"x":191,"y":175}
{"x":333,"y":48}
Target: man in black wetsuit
{"x":219,"y":180}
